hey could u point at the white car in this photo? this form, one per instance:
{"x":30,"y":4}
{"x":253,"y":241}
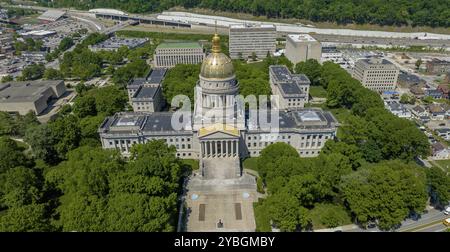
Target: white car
{"x":447,"y":210}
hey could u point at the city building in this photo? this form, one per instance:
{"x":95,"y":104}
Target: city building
{"x":407,"y":80}
{"x":434,"y":93}
{"x":292,"y":89}
{"x":114,"y":43}
{"x":445,"y":90}
{"x":301,"y":47}
{"x":419,"y":112}
{"x":37,"y":34}
{"x":439,"y":151}
{"x":52,"y":15}
{"x":397,"y":109}
{"x":447,"y":78}
{"x":437,"y":66}
{"x":246,"y":39}
{"x":437,"y":112}
{"x":6,"y":43}
{"x":169,"y":54}
{"x":331,"y":53}
{"x":444,"y":133}
{"x":219,"y":134}
{"x":417,"y":90}
{"x":376,"y":74}
{"x":23,"y":97}
{"x":145,"y":94}
{"x":218,"y":87}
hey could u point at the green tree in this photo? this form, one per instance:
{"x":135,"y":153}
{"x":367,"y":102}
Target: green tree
{"x":52,"y":74}
{"x":329,"y":215}
{"x":28,"y":218}
{"x":20,"y":187}
{"x":85,"y":106}
{"x":108,"y":100}
{"x":285,"y":212}
{"x":89,"y":126}
{"x":272,"y":154}
{"x":7,"y":78}
{"x":32,"y":72}
{"x":311,"y":68}
{"x":418,"y":63}
{"x":439,"y":184}
{"x":386,"y":192}
{"x":42,"y":143}
{"x":11,"y":155}
{"x":65,"y":44}
{"x":66,"y":133}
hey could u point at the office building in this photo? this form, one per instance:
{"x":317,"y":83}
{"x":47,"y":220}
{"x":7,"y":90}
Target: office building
{"x":437,"y":66}
{"x":301,"y":47}
{"x":245,"y":39}
{"x":169,"y":54}
{"x":376,"y":74}
{"x":145,"y":94}
{"x":292,"y":90}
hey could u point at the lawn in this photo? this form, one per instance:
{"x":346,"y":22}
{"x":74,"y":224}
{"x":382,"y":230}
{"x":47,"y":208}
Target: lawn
{"x":251,"y":163}
{"x":318,"y":91}
{"x":444,"y":163}
{"x":261,"y":217}
{"x":340,"y":113}
{"x":190,"y":164}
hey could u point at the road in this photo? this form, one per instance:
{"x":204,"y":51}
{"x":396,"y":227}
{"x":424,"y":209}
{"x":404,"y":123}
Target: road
{"x":292,"y":28}
{"x":428,"y":222}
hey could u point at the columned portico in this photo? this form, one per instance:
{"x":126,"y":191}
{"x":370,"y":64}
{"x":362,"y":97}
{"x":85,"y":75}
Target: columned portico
{"x":219,"y":148}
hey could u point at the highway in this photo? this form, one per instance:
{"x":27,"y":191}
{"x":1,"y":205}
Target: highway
{"x":428,"y":222}
{"x":291,"y":28}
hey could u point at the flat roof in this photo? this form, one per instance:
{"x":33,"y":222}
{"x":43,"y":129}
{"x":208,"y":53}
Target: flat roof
{"x":290,"y":88}
{"x":282,"y":74}
{"x":52,"y":15}
{"x":117,"y":42}
{"x":376,"y":61}
{"x":242,"y":26}
{"x":145,"y":92}
{"x":306,"y":118}
{"x":166,"y":45}
{"x":144,"y":121}
{"x":24,"y":91}
{"x":157,"y":75}
{"x":302,"y":38}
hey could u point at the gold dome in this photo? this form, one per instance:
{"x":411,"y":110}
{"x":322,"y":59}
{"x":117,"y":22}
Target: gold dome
{"x":217,"y":65}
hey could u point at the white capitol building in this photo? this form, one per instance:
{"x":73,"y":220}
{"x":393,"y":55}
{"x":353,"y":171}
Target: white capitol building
{"x":220,"y":134}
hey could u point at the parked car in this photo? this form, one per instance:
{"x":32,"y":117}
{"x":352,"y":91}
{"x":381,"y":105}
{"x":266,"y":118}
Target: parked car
{"x":447,"y":210}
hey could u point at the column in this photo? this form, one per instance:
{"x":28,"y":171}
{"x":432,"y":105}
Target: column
{"x":233,"y":148}
{"x":226,"y":148}
{"x":215,"y":148}
{"x":222,"y":149}
{"x":209,"y":148}
{"x":236,"y":143}
{"x":202,"y":146}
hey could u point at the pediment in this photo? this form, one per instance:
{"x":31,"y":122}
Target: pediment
{"x":213,"y":130}
{"x":218,"y":135}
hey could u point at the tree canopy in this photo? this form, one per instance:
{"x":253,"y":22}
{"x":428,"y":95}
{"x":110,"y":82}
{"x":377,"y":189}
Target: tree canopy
{"x":396,"y":12}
